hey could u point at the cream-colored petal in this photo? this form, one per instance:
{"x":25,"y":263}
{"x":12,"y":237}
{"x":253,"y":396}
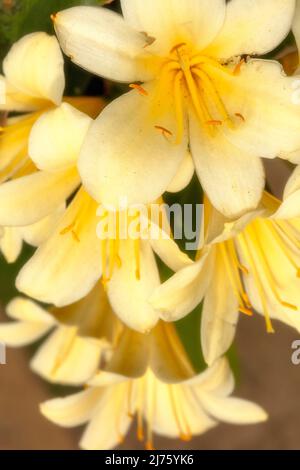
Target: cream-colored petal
{"x":192,"y":21}
{"x":129,"y":290}
{"x":217,"y":379}
{"x":232,"y":178}
{"x":19,"y":334}
{"x":219,"y":315}
{"x":253,"y":27}
{"x":168,"y":360}
{"x":233,"y":410}
{"x":73,"y":410}
{"x":67,"y":358}
{"x":131,"y":355}
{"x":166,"y":422}
{"x":184,"y":291}
{"x":28,"y":311}
{"x":67,"y":266}
{"x":270,"y":125}
{"x":56,"y":138}
{"x":39,"y":232}
{"x":101,"y":42}
{"x":113,"y":411}
{"x":15,"y":101}
{"x":34,"y":66}
{"x":11,"y":244}
{"x":21,"y":203}
{"x":160,"y":237}
{"x":290,"y":206}
{"x":296,"y":24}
{"x":124,"y":141}
{"x":184,"y":175}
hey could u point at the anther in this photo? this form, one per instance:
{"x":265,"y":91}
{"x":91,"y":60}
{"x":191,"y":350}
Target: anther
{"x":246,"y":311}
{"x":178,"y":46}
{"x":165,"y":132}
{"x":53,"y":17}
{"x":239,"y":115}
{"x":139,"y":88}
{"x":237,"y":69}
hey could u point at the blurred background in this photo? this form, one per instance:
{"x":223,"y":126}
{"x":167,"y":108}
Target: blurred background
{"x":262,"y":362}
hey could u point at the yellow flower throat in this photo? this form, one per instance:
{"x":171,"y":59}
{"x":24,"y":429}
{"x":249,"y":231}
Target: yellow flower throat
{"x":193,"y":77}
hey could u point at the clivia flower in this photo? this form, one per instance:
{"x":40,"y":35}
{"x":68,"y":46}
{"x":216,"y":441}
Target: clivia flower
{"x":193,"y":86}
{"x":250,"y":264}
{"x":79,"y":335}
{"x":151,"y":377}
{"x":34,"y":82}
{"x":74,"y":256}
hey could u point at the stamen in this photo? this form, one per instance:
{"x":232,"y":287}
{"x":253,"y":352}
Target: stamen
{"x":53,"y":17}
{"x":213,"y":94}
{"x":179,"y":107}
{"x":239,"y":115}
{"x":244,"y":244}
{"x":139,"y":88}
{"x":214,"y":123}
{"x":185,"y":435}
{"x":237,"y":69}
{"x":165,"y":132}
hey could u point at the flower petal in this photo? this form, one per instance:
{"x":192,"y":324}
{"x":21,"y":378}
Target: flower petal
{"x":67,"y":358}
{"x":233,"y":410}
{"x":34,"y":67}
{"x":56,"y":138}
{"x":101,"y":42}
{"x":184,"y":175}
{"x":296,"y":24}
{"x":128,"y":290}
{"x":112,"y":409}
{"x":39,"y":232}
{"x":66,"y":267}
{"x":124,"y":141}
{"x":21,"y":203}
{"x":74,"y":410}
{"x":233,"y":180}
{"x":253,"y":27}
{"x":172,"y":19}
{"x":11,"y":244}
{"x":219,"y":315}
{"x":184,"y":291}
{"x":268,"y":124}
{"x":168,"y":359}
{"x":21,"y":334}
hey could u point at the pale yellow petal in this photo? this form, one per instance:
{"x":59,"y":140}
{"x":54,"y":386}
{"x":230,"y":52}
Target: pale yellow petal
{"x":253,"y":27}
{"x":56,"y":138}
{"x":34,"y":67}
{"x":67,"y":266}
{"x":21,"y":201}
{"x":101,"y":42}
{"x":127,"y":139}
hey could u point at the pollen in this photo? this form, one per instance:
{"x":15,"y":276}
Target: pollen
{"x":139,"y":88}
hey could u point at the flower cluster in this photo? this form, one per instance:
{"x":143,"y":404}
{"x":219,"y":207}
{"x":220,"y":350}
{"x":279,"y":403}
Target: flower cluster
{"x":200,"y":99}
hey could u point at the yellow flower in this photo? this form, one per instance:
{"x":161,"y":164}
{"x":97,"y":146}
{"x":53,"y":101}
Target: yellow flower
{"x":196,"y":91}
{"x":34,"y":83}
{"x":74,"y":257}
{"x":249,"y":264}
{"x":151,"y":377}
{"x":80,"y":335}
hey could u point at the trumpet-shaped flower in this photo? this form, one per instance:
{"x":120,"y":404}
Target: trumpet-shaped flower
{"x":151,"y":377}
{"x":190,"y":88}
{"x":71,"y":261}
{"x":249,"y":264}
{"x":80,"y":335}
{"x":34,"y":83}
